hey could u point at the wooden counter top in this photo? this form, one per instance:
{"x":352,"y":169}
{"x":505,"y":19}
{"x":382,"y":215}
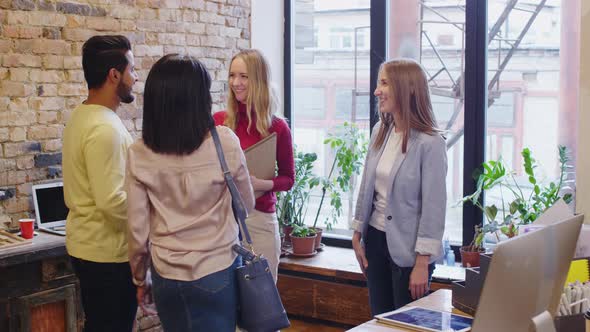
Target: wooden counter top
{"x":331,"y":262}
{"x":44,"y":245}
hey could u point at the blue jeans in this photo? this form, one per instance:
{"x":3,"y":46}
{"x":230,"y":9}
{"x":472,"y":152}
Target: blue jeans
{"x":388,"y":283}
{"x":206,"y":304}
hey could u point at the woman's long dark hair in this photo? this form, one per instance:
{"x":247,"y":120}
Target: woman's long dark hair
{"x":177,"y":105}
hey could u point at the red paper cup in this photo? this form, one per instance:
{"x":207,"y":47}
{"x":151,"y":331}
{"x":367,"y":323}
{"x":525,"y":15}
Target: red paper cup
{"x":26,"y":228}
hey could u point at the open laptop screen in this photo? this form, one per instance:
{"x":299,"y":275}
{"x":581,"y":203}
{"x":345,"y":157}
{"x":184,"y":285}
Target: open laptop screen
{"x":50,"y":207}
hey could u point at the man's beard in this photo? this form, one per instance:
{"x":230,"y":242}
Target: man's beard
{"x":124,"y":93}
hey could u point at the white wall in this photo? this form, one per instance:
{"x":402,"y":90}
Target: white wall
{"x":267,"y":26}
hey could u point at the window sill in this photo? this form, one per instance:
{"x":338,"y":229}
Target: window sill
{"x":340,"y":264}
{"x":332,"y":262}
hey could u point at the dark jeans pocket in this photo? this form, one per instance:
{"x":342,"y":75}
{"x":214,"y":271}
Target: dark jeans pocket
{"x":215,"y":282}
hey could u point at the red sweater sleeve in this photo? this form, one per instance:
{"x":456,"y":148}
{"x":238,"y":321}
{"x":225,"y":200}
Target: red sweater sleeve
{"x":286,"y":173}
{"x":219,"y":118}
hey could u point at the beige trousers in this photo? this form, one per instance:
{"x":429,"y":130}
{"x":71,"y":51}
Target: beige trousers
{"x":264,"y":231}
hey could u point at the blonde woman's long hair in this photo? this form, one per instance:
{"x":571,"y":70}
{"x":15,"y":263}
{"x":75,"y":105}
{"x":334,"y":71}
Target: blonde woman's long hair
{"x":261,"y":96}
{"x":408,"y":87}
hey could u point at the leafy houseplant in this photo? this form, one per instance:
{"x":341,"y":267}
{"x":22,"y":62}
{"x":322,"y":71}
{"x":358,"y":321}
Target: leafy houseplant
{"x":302,"y":231}
{"x":292,"y":205}
{"x":350,"y":146}
{"x":523,"y":208}
{"x":470,"y":253}
{"x":303,"y":240}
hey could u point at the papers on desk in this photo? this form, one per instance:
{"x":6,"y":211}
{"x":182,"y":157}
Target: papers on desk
{"x":448,"y":273}
{"x":423,"y":319}
{"x":9,"y":240}
{"x":261,"y":157}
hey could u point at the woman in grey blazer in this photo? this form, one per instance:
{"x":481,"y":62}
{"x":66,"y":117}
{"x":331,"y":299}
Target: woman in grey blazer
{"x":400,"y":213}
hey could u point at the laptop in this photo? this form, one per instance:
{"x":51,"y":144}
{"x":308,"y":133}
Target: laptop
{"x":51,"y":211}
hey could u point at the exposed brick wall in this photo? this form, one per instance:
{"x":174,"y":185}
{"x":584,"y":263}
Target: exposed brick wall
{"x":41,"y":78}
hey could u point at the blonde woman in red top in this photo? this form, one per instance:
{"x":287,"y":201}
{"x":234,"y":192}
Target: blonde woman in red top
{"x":251,"y":108}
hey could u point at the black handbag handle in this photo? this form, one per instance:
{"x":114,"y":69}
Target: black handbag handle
{"x":237,"y":202}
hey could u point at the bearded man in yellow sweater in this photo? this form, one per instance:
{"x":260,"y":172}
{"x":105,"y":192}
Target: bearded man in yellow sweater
{"x":95,"y":143}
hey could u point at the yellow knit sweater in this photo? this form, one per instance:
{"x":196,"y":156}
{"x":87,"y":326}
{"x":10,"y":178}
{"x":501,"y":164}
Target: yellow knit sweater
{"x":95,"y":143}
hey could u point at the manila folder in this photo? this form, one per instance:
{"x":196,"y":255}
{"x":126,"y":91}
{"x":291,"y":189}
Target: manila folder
{"x":261,"y":157}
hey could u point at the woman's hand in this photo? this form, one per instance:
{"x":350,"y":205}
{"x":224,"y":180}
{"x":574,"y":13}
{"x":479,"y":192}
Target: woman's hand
{"x":145,"y":298}
{"x":359,"y":251}
{"x":261,"y":186}
{"x":419,"y":277}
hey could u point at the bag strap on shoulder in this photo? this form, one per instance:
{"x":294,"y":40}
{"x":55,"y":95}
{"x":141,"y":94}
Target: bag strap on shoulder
{"x":239,"y":210}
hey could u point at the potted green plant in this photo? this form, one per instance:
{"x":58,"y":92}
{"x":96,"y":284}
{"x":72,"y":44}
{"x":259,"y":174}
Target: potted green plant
{"x":350,"y":147}
{"x":303,"y":240}
{"x":524,"y":207}
{"x":470,"y":254}
{"x":292,"y":205}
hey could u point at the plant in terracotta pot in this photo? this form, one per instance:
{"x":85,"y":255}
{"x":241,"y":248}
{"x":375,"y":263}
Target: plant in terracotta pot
{"x":470,"y":253}
{"x":292,"y":204}
{"x":303,"y":240}
{"x":350,"y":147}
{"x":525,"y":205}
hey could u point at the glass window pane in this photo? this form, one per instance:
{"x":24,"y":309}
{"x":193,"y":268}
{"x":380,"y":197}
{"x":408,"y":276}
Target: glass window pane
{"x":331,"y":82}
{"x":344,"y":104}
{"x":432,"y":32}
{"x":310,"y":102}
{"x":532,"y":94}
{"x":501,"y":110}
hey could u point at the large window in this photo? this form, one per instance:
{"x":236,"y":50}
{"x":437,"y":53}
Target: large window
{"x":525,"y":71}
{"x":531,"y":91}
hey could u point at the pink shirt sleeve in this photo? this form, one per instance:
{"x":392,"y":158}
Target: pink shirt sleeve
{"x":138,"y":225}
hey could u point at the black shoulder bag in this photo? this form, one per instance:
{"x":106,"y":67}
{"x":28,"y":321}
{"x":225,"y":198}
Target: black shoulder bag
{"x":260,"y":306}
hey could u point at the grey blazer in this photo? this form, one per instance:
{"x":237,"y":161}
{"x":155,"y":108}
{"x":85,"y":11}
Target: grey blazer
{"x":416,"y":202}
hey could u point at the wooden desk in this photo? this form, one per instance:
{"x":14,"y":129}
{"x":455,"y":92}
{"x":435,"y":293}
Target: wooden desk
{"x":44,"y":246}
{"x":39,"y":291}
{"x":439,"y":300}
